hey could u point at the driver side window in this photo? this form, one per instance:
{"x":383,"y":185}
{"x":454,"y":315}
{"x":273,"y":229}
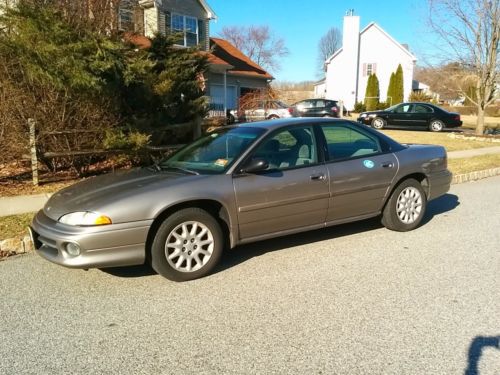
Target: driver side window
{"x":403,"y":108}
{"x":290,"y":148}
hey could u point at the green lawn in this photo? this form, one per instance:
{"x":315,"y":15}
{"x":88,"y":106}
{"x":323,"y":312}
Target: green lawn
{"x":14,"y":226}
{"x":443,"y":139}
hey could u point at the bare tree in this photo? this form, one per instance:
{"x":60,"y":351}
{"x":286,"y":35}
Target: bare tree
{"x":471,"y":29}
{"x":327,"y":46}
{"x":259,"y":43}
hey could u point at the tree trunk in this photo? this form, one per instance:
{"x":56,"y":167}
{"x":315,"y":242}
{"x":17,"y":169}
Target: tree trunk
{"x":480,"y":120}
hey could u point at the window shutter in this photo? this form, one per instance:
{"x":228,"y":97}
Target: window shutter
{"x":168,"y":22}
{"x":201,"y":34}
{"x":162,"y":23}
{"x":364,"y":70}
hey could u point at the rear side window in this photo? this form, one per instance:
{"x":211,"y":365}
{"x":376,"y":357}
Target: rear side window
{"x":419,"y":108}
{"x":344,"y":142}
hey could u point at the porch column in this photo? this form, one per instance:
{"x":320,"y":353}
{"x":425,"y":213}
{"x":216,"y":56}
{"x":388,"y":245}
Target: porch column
{"x":225,"y":92}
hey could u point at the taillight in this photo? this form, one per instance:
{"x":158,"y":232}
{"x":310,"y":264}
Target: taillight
{"x":335,"y":109}
{"x":457,"y":118}
{"x":290,"y":110}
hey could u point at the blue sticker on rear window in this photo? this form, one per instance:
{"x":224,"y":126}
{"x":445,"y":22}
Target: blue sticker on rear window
{"x":368,"y":164}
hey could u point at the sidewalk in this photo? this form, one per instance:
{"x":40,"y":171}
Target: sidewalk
{"x":22,"y":204}
{"x":31,"y":203}
{"x":473,"y":152}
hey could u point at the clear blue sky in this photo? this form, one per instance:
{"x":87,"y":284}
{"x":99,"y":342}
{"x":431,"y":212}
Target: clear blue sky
{"x":302,"y":24}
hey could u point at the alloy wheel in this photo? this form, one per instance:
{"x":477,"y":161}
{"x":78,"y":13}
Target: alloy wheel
{"x":189,"y":246}
{"x":409,"y":205}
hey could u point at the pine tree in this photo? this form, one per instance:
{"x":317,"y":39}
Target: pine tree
{"x":372,"y":93}
{"x":390,"y":90}
{"x":398,"y":86}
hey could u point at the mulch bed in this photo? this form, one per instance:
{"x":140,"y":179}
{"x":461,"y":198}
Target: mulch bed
{"x":16,"y":178}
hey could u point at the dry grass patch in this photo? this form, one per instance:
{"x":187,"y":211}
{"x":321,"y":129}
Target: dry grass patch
{"x":469,"y":121}
{"x":14,"y":226}
{"x":476,"y":163}
{"x":451,"y":144}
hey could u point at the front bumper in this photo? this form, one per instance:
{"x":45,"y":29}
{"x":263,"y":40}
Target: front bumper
{"x":103,"y":246}
{"x":365,"y":120}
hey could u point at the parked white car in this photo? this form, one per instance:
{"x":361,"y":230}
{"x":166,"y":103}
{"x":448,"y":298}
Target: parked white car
{"x":266,"y":110}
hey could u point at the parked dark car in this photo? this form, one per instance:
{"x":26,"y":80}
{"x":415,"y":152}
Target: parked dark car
{"x":235,"y":185}
{"x":417,"y":115}
{"x":316,"y":108}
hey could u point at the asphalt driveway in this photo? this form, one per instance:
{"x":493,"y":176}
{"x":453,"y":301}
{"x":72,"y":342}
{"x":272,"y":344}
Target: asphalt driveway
{"x":355,"y":299}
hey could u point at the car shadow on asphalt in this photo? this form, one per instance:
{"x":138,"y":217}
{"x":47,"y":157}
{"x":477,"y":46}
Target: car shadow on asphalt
{"x":242,"y":253}
{"x":440,"y":206}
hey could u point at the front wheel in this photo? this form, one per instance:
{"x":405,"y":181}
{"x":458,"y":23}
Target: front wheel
{"x":378,"y":123}
{"x":406,"y":206}
{"x":436,"y":126}
{"x":187,"y":245}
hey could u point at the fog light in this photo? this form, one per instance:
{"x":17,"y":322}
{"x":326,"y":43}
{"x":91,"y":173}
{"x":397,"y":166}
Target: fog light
{"x":72,"y":249}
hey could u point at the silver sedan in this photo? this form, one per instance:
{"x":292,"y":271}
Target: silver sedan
{"x":236,"y":185}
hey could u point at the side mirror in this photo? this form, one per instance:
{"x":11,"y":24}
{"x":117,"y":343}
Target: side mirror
{"x":255,"y":165}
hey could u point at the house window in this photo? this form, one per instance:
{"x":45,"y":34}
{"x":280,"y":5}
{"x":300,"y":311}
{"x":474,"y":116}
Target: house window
{"x":369,"y":69}
{"x":126,"y":19}
{"x":188,"y":26}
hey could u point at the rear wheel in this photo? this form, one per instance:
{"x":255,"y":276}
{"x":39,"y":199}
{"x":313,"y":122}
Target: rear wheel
{"x":436,"y":126}
{"x":187,"y":245}
{"x":405,"y":208}
{"x":273,"y":117}
{"x":378,"y":123}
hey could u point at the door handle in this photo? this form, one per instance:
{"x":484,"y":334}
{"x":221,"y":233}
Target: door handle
{"x":388,"y":165}
{"x":318,"y":177}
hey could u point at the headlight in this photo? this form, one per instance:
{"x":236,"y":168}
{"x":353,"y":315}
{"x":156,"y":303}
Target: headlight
{"x":363,"y":115}
{"x":85,"y":219}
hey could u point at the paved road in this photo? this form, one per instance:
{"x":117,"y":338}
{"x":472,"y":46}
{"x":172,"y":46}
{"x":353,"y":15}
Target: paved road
{"x":356,"y":299}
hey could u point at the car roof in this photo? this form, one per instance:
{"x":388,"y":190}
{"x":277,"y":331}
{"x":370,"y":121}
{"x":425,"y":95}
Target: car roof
{"x":278,"y":123}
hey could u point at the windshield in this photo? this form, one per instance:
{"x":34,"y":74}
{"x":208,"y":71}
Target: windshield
{"x":215,"y":152}
{"x":392,"y":108}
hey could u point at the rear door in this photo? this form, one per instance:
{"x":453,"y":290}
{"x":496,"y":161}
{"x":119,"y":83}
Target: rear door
{"x":361,"y":171}
{"x":421,"y":115}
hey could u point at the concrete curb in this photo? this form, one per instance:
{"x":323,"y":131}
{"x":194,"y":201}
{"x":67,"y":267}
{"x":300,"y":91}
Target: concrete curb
{"x":476,"y":175}
{"x":24,"y":245}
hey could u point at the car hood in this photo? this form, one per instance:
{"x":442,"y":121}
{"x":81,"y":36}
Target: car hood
{"x":98,"y":193}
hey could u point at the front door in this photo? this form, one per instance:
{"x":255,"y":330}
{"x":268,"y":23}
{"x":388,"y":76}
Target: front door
{"x":360,"y":171}
{"x":401,"y":116}
{"x":292,"y":193}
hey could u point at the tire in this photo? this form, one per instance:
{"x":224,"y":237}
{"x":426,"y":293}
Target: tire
{"x":436,"y":126}
{"x":273,"y":117}
{"x":187,"y":245}
{"x":378,"y":123}
{"x":406,"y":207}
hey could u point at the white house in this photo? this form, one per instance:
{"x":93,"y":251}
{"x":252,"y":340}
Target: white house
{"x":364,"y":52}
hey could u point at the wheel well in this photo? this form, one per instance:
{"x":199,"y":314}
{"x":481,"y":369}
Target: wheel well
{"x":214,"y":208}
{"x":420,"y":177}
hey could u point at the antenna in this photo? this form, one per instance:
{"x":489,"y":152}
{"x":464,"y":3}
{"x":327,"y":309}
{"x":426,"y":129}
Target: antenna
{"x":349,"y":12}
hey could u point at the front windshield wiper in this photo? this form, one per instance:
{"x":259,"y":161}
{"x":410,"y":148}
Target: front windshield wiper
{"x":185,"y":170}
